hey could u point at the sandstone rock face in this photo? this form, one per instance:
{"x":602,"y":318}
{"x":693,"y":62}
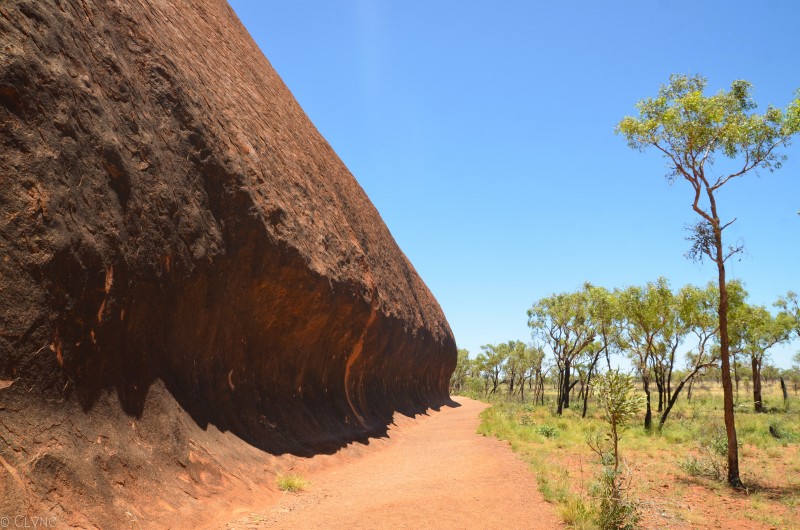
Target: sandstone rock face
{"x":171,"y":220}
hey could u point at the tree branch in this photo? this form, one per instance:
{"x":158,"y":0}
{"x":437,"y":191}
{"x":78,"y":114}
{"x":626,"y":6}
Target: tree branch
{"x":748,"y":166}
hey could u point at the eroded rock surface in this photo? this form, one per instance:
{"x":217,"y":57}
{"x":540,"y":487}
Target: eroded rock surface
{"x":179,"y":247}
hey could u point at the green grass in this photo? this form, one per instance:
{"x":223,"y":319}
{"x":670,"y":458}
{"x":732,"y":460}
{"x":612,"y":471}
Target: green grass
{"x":565,"y":468}
{"x":534,"y":433}
{"x":291,"y":482}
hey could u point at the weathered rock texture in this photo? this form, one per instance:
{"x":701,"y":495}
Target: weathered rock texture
{"x":175,"y":235}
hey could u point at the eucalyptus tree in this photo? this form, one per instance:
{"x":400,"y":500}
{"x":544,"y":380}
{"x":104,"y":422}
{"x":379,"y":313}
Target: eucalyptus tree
{"x":532,"y":357}
{"x":545,"y":371}
{"x":563,"y":323}
{"x":605,"y":314}
{"x":697,"y":309}
{"x":517,"y":365}
{"x":673,"y":332}
{"x":791,"y":305}
{"x":646,"y":312}
{"x":761,"y":331}
{"x":691,"y":130}
{"x":459,"y":376}
{"x":494,"y":364}
{"x":480,"y":369}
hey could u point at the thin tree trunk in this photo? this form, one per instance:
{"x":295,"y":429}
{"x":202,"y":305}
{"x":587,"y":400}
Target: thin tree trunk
{"x":586,"y":394}
{"x":560,"y":406}
{"x":566,"y":388}
{"x":759,"y":404}
{"x":674,"y":396}
{"x":785,"y":393}
{"x":615,"y":493}
{"x":669,"y":373}
{"x":660,"y":388}
{"x":648,"y":415}
{"x":541,"y":388}
{"x":672,"y":401}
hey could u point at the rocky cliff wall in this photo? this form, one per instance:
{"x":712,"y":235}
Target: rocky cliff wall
{"x":170,"y":216}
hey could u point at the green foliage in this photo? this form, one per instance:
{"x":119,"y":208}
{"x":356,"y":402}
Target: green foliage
{"x":698,"y":309}
{"x":754,"y":330}
{"x":760,"y":330}
{"x":619,"y":406}
{"x":563,"y":322}
{"x":459,"y":377}
{"x":616,"y":399}
{"x":291,"y":482}
{"x":691,"y":128}
{"x":548,"y":431}
{"x":790,"y":304}
{"x":613,"y":512}
{"x":508,"y":365}
{"x":646,"y":311}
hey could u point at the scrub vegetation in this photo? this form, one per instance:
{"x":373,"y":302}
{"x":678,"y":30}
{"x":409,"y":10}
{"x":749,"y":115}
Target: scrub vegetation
{"x":675,"y":477}
{"x":708,"y":408}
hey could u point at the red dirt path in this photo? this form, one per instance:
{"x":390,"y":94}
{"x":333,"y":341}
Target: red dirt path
{"x":432,"y":472}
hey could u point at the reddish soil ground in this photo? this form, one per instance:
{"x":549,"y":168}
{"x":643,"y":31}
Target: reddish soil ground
{"x":432,"y":471}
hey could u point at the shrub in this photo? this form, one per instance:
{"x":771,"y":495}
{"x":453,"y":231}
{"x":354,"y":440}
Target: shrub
{"x":615,"y":510}
{"x":548,"y":431}
{"x":713,"y":452}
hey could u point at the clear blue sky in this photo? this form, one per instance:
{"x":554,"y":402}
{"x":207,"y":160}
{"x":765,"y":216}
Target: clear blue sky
{"x":483,"y":133}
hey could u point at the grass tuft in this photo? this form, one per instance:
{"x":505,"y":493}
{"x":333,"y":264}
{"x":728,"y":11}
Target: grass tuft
{"x":291,"y":482}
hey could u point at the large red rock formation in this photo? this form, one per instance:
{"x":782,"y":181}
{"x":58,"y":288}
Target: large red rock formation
{"x":182,"y":252}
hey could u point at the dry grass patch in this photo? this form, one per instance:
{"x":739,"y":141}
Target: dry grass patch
{"x":291,"y":482}
{"x":670,"y":496}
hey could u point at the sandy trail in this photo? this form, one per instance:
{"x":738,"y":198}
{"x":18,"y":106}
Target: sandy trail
{"x":433,"y":472}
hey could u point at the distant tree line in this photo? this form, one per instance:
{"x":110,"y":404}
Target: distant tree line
{"x":670,"y":337}
{"x":511,"y":365}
